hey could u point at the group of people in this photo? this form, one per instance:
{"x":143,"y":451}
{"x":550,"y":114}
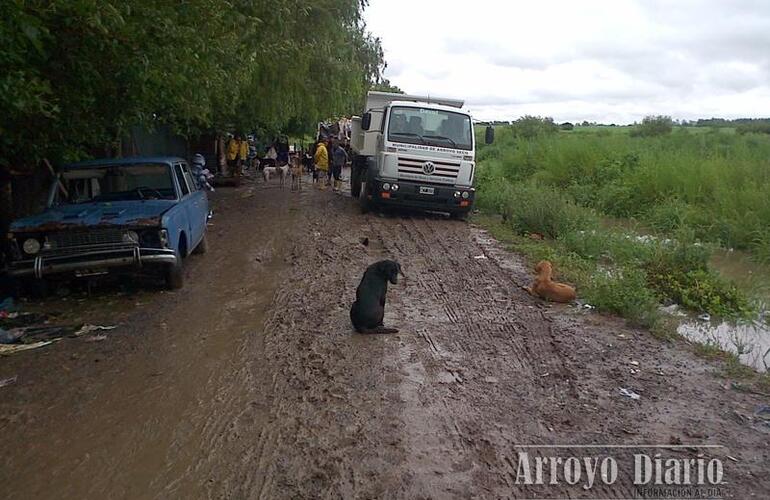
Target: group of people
{"x":328,"y":159}
{"x":325,"y":160}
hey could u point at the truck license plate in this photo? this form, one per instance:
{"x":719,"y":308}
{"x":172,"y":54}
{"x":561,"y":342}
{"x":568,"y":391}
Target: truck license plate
{"x":426,"y":190}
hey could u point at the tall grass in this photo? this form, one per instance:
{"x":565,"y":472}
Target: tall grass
{"x":697,"y":188}
{"x":715,"y":184}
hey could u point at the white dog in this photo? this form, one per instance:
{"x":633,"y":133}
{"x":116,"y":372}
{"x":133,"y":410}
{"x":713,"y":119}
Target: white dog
{"x":282,"y":172}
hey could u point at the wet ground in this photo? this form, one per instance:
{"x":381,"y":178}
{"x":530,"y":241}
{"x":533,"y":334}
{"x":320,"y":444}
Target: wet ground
{"x":249,"y":382}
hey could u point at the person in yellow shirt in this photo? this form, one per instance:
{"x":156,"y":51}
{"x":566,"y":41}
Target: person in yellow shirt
{"x":321,"y":159}
{"x":237,"y":152}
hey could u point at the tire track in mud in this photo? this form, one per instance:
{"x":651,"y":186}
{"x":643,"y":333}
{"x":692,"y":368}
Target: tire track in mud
{"x":283,"y":400}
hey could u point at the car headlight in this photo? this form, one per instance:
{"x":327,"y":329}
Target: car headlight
{"x":31,"y":246}
{"x":130,"y":237}
{"x":386,"y":186}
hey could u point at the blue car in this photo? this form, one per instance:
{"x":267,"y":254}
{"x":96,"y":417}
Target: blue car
{"x":104,"y":216}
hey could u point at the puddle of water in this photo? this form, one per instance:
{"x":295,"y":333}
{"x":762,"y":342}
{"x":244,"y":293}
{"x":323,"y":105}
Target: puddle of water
{"x":750,"y":341}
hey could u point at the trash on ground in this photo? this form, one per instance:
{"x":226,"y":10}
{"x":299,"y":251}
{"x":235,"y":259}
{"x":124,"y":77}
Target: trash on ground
{"x":9,"y":336}
{"x":479,"y":257}
{"x":6,"y":350}
{"x":629,"y":393}
{"x":704,"y":317}
{"x":93,"y":328}
{"x":763,"y":413}
{"x":8,"y":381}
{"x":7,"y":306}
{"x":635,"y":363}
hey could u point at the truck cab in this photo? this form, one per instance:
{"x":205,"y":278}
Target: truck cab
{"x":414,"y":152}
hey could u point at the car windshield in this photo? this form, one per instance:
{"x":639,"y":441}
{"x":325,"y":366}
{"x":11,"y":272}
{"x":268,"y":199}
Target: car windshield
{"x":432,"y":127}
{"x":117,"y":183}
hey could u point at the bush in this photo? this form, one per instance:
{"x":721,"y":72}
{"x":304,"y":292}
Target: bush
{"x":529,"y":127}
{"x":533,"y":209}
{"x":623,"y":292}
{"x":653,"y":126}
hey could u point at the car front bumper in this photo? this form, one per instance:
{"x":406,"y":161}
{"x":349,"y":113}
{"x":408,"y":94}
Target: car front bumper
{"x":409,"y":195}
{"x":92,"y":261}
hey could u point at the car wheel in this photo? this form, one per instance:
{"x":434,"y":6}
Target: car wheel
{"x":174,"y":275}
{"x":363,"y":198}
{"x":203,"y":246}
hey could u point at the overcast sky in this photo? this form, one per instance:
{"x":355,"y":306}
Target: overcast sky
{"x":607,"y":61}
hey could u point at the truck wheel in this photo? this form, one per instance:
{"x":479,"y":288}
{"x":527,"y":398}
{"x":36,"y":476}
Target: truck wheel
{"x":174,"y":275}
{"x":363,"y":197}
{"x":355,"y":181}
{"x":203,"y":246}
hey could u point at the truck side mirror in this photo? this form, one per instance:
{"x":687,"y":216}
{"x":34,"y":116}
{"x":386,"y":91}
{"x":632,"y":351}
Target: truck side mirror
{"x":366,"y":121}
{"x":489,"y":135}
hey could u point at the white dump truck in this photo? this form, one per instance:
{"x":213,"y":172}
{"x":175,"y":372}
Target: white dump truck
{"x":414,"y":152}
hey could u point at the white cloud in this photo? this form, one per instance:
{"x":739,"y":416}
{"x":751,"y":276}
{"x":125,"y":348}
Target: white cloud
{"x":604,"y":60}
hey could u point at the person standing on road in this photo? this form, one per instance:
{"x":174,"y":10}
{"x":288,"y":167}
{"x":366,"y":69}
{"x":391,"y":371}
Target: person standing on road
{"x":243,"y":153}
{"x":237,"y":151}
{"x":339,"y":159}
{"x":321,"y":159}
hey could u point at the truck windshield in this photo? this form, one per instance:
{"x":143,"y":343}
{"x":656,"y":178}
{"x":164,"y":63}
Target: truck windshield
{"x":432,"y":127}
{"x":118,"y":183}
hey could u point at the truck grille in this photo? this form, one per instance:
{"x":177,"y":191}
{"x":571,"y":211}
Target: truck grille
{"x":86,"y":238}
{"x":446,"y":171}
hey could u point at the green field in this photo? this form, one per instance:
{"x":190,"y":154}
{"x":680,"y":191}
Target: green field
{"x":593,"y":191}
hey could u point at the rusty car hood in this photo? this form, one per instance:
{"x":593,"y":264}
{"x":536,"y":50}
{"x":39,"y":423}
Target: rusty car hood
{"x":102,"y":214}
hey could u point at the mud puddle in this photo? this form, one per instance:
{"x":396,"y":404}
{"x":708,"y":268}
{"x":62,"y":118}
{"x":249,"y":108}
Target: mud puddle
{"x":750,"y":340}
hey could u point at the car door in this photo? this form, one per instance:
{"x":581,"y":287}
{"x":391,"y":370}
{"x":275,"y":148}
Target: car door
{"x":186,"y":206}
{"x":200,"y":205}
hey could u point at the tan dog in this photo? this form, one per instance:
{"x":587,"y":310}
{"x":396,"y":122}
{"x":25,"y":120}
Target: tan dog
{"x":296,"y":173}
{"x":546,"y":288}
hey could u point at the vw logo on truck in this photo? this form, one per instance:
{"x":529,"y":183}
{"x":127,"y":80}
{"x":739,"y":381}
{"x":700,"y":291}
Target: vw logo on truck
{"x":428,"y":168}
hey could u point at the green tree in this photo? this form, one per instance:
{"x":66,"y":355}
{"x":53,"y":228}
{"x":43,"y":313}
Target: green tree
{"x":529,"y":126}
{"x":652,"y":126}
{"x":76,"y":74}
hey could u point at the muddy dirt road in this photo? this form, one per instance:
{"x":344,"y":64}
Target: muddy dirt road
{"x":249,"y":383}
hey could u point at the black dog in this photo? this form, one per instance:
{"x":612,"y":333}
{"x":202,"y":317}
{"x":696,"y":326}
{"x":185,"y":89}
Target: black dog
{"x":368,"y":310}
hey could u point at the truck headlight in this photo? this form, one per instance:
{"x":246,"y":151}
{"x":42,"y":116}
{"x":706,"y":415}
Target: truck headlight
{"x":394,"y":187}
{"x":457,"y":194}
{"x":465,"y":195}
{"x":31,"y":246}
{"x":130,"y":237}
{"x":386,"y":186}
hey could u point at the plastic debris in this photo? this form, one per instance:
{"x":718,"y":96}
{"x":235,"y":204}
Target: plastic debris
{"x":8,"y":381}
{"x":635,"y":363}
{"x":6,"y":350}
{"x":704,"y":317}
{"x":763,"y":413}
{"x":93,"y":328}
{"x":629,"y":393}
{"x":10,"y":336}
{"x":480,"y":257}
